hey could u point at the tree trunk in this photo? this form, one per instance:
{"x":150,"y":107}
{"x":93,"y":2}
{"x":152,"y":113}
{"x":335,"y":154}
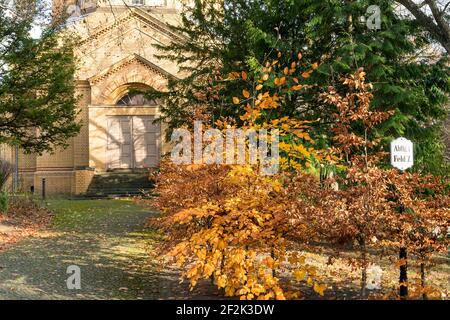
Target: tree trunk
{"x":423,"y":280}
{"x":403,"y":274}
{"x":272,"y":254}
{"x":363,"y":247}
{"x":435,"y":23}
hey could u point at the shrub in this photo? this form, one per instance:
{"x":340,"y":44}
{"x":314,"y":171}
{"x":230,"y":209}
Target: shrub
{"x":4,"y":202}
{"x":6,"y":169}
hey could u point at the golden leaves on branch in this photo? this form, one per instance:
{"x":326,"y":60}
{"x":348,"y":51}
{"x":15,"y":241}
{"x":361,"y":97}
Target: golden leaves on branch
{"x":230,"y":228}
{"x":257,"y":104}
{"x":279,"y":81}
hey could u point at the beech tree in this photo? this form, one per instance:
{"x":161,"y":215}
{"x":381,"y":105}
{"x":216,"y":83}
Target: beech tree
{"x":374,"y":206}
{"x":37,"y":91}
{"x":230,"y":225}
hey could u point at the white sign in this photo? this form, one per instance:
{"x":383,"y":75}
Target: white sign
{"x":402,"y":154}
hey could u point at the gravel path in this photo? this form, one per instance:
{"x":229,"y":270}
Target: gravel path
{"x":106,"y":239}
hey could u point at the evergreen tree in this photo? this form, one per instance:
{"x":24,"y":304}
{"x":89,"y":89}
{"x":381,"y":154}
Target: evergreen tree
{"x":240,"y":35}
{"x":37,"y":93}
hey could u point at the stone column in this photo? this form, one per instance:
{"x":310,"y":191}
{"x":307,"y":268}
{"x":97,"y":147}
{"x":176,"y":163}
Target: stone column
{"x":81,"y":141}
{"x":83,"y":173}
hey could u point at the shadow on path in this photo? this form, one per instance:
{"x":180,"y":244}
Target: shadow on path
{"x":109,"y":244}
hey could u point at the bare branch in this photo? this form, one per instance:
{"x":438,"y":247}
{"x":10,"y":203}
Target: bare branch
{"x":436,"y":24}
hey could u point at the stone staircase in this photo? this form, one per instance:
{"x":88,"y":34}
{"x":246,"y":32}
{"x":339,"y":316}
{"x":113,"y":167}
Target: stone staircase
{"x":119,"y":184}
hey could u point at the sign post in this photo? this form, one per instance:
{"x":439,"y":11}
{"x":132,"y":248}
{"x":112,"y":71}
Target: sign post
{"x":402,"y":158}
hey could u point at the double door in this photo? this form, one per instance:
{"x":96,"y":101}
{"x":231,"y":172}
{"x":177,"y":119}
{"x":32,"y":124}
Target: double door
{"x":133,"y":142}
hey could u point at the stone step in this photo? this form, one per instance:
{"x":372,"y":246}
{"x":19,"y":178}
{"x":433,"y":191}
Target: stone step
{"x":119,"y":184}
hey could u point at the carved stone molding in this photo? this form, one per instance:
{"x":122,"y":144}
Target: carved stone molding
{"x":127,"y":16}
{"x":133,"y":71}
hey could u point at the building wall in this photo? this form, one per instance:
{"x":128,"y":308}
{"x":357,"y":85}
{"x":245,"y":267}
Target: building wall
{"x":116,"y":54}
{"x":27,"y":168}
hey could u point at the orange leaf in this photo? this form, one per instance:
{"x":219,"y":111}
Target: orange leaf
{"x":236,"y":100}
{"x":299,"y":274}
{"x":319,"y":288}
{"x":246,"y":94}
{"x":221,"y":281}
{"x":269,"y":262}
{"x":306,"y":74}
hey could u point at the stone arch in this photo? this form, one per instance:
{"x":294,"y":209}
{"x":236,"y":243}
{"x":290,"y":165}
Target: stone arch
{"x":110,"y":85}
{"x":121,"y":91}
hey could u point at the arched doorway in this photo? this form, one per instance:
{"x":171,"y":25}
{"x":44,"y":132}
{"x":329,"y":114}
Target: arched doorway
{"x":133,"y":137}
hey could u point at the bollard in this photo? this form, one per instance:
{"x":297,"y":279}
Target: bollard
{"x":43,"y":188}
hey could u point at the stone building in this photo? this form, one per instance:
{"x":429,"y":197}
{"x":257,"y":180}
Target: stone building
{"x":116,"y":55}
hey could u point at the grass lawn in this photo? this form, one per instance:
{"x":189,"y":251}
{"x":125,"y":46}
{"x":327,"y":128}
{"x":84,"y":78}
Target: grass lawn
{"x":107,"y":239}
{"x":91,"y":214}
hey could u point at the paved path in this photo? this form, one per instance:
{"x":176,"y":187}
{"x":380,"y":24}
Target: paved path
{"x":106,"y":239}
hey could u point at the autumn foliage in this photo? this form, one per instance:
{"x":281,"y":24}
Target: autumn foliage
{"x":375,"y":206}
{"x":232,"y":225}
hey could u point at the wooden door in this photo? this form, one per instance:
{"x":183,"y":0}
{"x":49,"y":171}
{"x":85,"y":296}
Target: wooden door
{"x":119,"y":144}
{"x":146,"y":137}
{"x":133,"y":142}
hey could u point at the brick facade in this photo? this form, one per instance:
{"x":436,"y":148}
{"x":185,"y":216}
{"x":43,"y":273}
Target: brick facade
{"x":116,"y":55}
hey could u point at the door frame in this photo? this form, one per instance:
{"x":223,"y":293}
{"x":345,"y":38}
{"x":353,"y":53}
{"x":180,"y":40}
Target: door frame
{"x":132,"y":137}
